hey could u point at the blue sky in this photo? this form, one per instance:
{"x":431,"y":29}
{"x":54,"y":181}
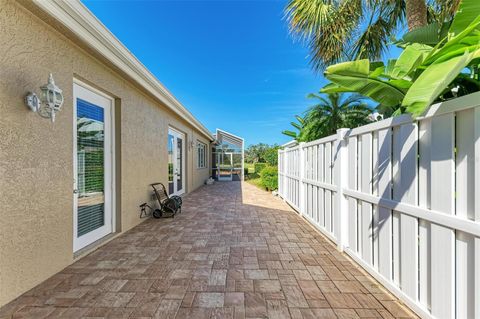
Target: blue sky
{"x":233,"y":64}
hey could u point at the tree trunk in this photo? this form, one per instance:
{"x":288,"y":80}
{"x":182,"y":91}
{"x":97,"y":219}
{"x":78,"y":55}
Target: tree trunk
{"x":416,"y":14}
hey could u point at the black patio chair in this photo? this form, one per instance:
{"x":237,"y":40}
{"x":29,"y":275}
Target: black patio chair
{"x":169,"y":205}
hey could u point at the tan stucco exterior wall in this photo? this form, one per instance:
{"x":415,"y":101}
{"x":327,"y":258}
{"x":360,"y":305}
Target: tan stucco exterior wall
{"x":36,"y":170}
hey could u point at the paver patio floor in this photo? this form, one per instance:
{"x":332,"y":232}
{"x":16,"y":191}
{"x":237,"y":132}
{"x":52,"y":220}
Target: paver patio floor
{"x":234,"y":252}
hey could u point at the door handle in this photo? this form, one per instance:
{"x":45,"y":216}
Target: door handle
{"x":75,"y":191}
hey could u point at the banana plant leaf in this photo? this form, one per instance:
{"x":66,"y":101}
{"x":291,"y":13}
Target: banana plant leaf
{"x":333,"y":88}
{"x":464,"y":39}
{"x":390,"y":67}
{"x":296,"y":125}
{"x":357,"y":76}
{"x":431,"y":34}
{"x":443,"y":65}
{"x":433,"y":81}
{"x":402,"y":84}
{"x":290,"y":133}
{"x":469,"y":43}
{"x":467,"y":12}
{"x":409,"y":60}
{"x":300,"y":119}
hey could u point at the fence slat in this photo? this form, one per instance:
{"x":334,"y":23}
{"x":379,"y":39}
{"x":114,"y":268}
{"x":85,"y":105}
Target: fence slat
{"x":315,"y":177}
{"x":307,"y":188}
{"x":406,"y":191}
{"x":328,"y":194}
{"x":424,"y":233}
{"x":383,"y":171}
{"x":465,"y":208}
{"x":476,"y":190}
{"x":321,"y":178}
{"x":303,"y":195}
{"x":352,"y":184}
{"x":375,"y":210}
{"x":366,"y":221}
{"x":443,"y":238}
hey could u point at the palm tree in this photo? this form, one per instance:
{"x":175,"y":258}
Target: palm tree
{"x":416,"y":12}
{"x":337,"y":31}
{"x":334,"y":111}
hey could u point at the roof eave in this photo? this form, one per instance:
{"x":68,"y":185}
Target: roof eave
{"x":77,"y":18}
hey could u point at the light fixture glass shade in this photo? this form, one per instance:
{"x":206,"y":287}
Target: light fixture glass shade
{"x":52,"y":94}
{"x":49,"y":102}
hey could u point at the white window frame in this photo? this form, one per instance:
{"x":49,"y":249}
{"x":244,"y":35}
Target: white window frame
{"x":201,"y":158}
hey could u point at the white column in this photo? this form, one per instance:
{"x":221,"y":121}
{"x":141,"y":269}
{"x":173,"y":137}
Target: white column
{"x":341,"y":180}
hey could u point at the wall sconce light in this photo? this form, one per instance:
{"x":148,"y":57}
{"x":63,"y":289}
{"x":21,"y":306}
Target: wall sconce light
{"x":50,"y":101}
{"x":192,"y":144}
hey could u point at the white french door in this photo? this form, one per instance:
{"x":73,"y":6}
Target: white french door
{"x":92,"y":164}
{"x":176,"y":162}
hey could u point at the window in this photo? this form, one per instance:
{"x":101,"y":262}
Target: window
{"x":201,"y":155}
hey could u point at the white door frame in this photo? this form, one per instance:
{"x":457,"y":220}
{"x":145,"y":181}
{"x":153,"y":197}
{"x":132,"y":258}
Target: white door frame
{"x":178,"y":135}
{"x":90,"y":94}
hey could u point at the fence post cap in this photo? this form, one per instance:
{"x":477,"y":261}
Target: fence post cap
{"x":342,"y":132}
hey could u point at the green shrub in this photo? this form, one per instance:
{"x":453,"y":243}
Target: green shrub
{"x":271,"y":155}
{"x":249,"y":167}
{"x":251,"y":176}
{"x":257,"y":167}
{"x":269,"y":177}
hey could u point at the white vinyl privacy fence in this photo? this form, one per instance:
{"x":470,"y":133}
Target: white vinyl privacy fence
{"x":402,"y":198}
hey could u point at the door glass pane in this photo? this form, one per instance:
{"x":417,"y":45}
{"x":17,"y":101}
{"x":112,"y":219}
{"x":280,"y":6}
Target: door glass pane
{"x":237,"y":160}
{"x":226,"y":165}
{"x":237,"y":167}
{"x":179,"y":164}
{"x":170,"y":163}
{"x":90,"y":167}
{"x":215,"y":164}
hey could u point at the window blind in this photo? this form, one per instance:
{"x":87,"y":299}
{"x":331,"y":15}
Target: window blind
{"x":90,"y":167}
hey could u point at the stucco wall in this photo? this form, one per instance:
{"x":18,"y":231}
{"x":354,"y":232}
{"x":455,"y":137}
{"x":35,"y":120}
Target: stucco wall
{"x":36,"y":173}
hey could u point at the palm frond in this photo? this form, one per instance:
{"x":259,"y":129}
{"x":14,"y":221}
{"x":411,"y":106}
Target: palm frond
{"x":324,"y":26}
{"x":353,"y":98}
{"x":385,"y":17}
{"x":336,"y":31}
{"x":334,"y":111}
{"x":441,"y":11}
{"x":307,"y":16}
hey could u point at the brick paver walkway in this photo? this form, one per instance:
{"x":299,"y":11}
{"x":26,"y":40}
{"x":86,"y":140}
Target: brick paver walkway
{"x":234,"y":252}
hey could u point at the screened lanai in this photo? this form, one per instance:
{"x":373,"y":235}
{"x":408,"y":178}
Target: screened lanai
{"x":227,"y":157}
